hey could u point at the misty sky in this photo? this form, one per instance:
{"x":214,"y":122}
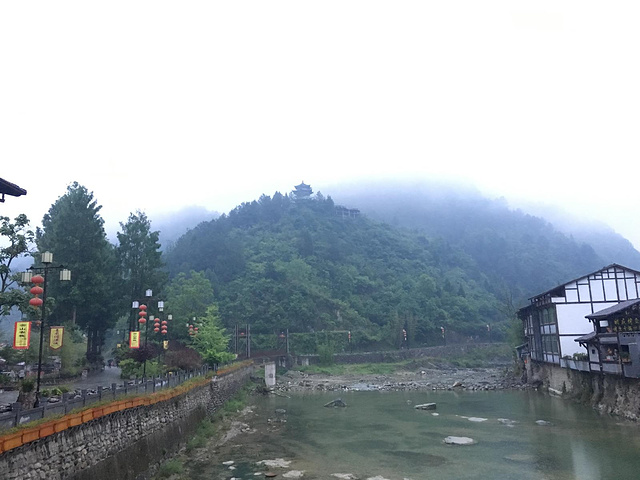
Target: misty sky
{"x":159,"y":105}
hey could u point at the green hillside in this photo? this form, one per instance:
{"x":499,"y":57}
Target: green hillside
{"x":277,"y":263}
{"x":520,"y":253}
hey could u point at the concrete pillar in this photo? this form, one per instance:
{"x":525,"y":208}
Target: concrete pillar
{"x":270,"y":374}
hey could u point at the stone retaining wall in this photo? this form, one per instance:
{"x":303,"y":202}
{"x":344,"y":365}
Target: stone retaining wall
{"x":125,"y":444}
{"x":444,"y":351}
{"x":609,"y":394}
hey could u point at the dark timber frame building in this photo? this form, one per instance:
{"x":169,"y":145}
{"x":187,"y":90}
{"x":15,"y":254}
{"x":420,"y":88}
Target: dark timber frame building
{"x":554,"y":320}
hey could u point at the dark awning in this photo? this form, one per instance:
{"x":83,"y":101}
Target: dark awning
{"x":8,"y":188}
{"x":586,"y":338}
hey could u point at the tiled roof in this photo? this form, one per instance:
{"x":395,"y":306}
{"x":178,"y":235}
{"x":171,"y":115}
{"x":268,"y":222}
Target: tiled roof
{"x":611,"y":310}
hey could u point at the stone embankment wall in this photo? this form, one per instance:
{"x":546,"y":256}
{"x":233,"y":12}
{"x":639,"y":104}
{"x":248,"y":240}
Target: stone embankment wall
{"x":444,"y":351}
{"x":609,"y":394}
{"x":125,"y":444}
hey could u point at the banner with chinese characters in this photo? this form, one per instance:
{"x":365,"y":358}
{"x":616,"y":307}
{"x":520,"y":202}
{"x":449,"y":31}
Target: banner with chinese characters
{"x":55,"y":337}
{"x":134,"y":339}
{"x":165,"y":344}
{"x":21,"y":335}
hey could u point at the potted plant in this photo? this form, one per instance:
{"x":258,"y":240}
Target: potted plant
{"x":625,"y":357}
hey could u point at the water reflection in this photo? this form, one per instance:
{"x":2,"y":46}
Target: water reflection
{"x":381,"y":434}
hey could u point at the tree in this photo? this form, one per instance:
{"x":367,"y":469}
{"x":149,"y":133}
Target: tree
{"x":139,"y":257}
{"x":188,"y":296}
{"x":74,"y":231}
{"x":211,"y":341}
{"x":18,"y":239}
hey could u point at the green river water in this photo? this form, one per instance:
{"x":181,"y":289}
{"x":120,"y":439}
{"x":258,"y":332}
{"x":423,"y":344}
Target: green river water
{"x":381,"y":435}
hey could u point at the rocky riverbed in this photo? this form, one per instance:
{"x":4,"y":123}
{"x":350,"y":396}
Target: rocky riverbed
{"x":435,"y":378}
{"x":243,"y":446}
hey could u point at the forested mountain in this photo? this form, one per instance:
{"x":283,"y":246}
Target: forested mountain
{"x":418,"y":258}
{"x":278,"y":263}
{"x":526,"y":252}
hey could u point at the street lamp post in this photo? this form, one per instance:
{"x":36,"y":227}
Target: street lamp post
{"x":149,"y":295}
{"x":65,"y":275}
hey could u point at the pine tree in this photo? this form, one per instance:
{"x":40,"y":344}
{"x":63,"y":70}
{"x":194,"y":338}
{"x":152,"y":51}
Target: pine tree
{"x":73,"y":231}
{"x":139,"y":258}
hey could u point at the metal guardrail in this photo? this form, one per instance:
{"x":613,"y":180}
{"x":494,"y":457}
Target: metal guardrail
{"x":71,"y":401}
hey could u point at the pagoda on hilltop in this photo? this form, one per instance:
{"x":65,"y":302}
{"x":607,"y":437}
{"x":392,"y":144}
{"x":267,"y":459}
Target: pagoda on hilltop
{"x":302,"y":191}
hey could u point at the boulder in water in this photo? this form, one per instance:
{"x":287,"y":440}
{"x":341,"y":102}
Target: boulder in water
{"x":336,"y":403}
{"x":426,"y":406}
{"x":459,"y":440}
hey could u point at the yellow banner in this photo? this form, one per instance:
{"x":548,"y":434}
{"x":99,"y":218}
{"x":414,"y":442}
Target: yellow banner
{"x":165,"y":344}
{"x":134,"y":339}
{"x":21,"y":335}
{"x":55,"y":337}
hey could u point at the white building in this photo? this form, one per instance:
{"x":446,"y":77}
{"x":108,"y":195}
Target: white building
{"x":554,"y":319}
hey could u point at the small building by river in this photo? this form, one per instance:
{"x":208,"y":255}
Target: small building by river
{"x":558,"y":322}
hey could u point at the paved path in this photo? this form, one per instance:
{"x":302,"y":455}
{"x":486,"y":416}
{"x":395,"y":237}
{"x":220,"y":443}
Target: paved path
{"x":93,"y":380}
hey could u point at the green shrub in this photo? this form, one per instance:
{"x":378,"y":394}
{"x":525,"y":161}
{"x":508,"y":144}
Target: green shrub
{"x":172,"y":467}
{"x":325,"y":353}
{"x":27,"y":385}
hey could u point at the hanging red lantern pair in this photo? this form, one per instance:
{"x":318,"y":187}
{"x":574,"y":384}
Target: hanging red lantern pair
{"x":142,"y":314}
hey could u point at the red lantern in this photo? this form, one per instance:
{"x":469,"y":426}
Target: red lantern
{"x":163,"y":332}
{"x":36,"y":302}
{"x":142,"y":314}
{"x":37,"y":279}
{"x":164,"y":322}
{"x":36,"y":290}
{"x":142,"y":320}
{"x":156,"y":329}
{"x":143,"y":307}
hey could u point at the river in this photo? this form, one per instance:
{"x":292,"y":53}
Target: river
{"x":524,"y":435}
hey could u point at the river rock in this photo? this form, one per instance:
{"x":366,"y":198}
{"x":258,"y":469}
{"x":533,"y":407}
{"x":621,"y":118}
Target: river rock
{"x":477,"y":419}
{"x":294,"y":474}
{"x":543,"y":422}
{"x":277,"y":462}
{"x":459,"y":441}
{"x":426,"y":406}
{"x":344,"y":476}
{"x":336,"y":403}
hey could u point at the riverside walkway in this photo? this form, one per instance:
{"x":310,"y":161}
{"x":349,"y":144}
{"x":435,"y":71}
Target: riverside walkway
{"x":93,"y":380}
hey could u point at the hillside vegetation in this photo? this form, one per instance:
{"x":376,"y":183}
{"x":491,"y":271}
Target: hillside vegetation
{"x":416,"y":260}
{"x":277,"y":263}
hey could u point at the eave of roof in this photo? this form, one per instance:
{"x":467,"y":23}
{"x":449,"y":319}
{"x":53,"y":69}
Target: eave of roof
{"x":586,"y":338}
{"x":611,"y":310}
{"x":8,"y":188}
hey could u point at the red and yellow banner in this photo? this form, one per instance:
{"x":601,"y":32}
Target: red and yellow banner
{"x":21,"y":335}
{"x":134,"y":339}
{"x":55,"y":337}
{"x":165,"y":344}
